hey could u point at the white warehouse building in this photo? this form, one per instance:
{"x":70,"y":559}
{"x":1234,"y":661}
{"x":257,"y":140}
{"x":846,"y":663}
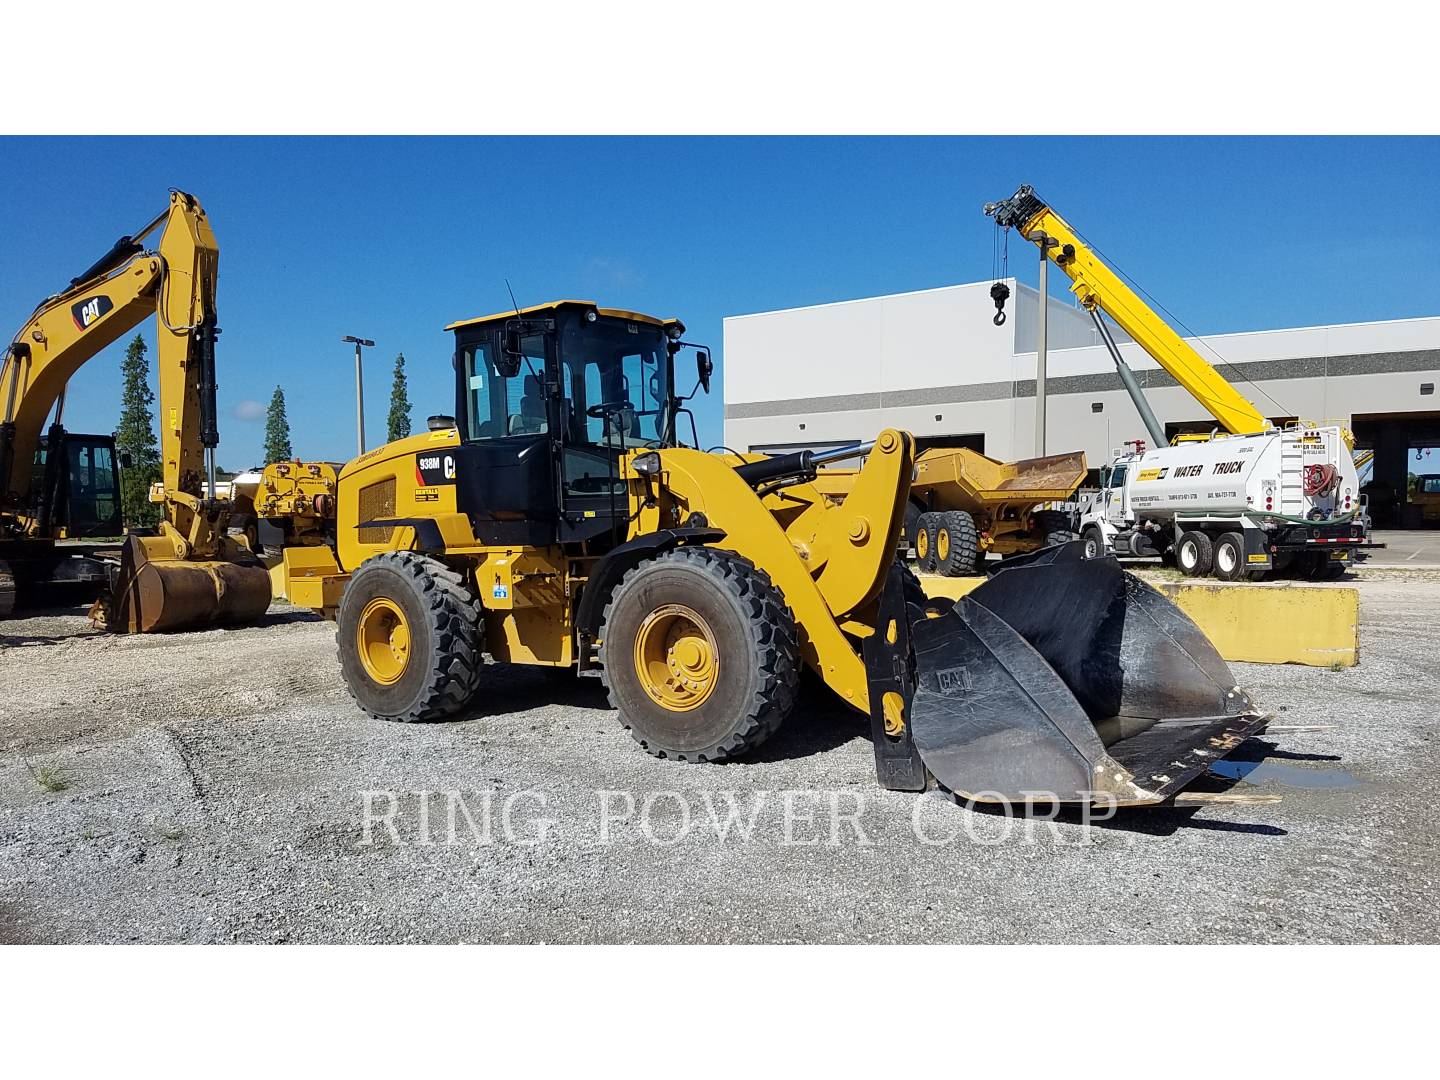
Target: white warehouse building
{"x":934,"y":363}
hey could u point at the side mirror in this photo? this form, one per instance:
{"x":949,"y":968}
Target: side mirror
{"x":508,"y":362}
{"x":704,"y":367}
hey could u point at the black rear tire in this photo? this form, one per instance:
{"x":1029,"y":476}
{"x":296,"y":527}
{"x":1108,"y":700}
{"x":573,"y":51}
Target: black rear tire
{"x":752,"y":637}
{"x":957,"y":544}
{"x":441,"y":671}
{"x":1229,"y":557}
{"x":1194,"y":554}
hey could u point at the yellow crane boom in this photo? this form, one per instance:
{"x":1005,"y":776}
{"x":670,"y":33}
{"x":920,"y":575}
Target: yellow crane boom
{"x":1095,"y":285}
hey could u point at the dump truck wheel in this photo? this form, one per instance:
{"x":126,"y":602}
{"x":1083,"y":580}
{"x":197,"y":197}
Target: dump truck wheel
{"x":957,"y":544}
{"x":1053,"y":527}
{"x":700,"y":655}
{"x":1094,"y":543}
{"x":1229,"y":557}
{"x":1195,"y":554}
{"x":925,"y":543}
{"x":409,"y":636}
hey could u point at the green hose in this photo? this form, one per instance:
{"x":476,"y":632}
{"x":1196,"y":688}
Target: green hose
{"x":1341,"y":520}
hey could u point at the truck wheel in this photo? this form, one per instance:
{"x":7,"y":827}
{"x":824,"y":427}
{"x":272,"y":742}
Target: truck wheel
{"x":1194,"y":555}
{"x":1229,"y":557}
{"x":957,"y":544}
{"x":699,"y":654}
{"x":1094,"y":543}
{"x":409,"y":636}
{"x":1053,"y":527}
{"x":925,"y":543}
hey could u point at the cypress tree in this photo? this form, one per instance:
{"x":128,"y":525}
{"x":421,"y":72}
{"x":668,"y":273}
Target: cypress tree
{"x":277,"y":430}
{"x":135,"y":436}
{"x":398,"y":423}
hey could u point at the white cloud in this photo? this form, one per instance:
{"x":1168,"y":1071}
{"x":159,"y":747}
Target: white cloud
{"x":247,"y":410}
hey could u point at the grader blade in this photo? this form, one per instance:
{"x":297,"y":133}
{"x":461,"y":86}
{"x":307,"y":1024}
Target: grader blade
{"x":153,"y":595}
{"x":1068,"y":679}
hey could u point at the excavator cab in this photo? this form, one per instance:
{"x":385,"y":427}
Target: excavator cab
{"x":77,"y":482}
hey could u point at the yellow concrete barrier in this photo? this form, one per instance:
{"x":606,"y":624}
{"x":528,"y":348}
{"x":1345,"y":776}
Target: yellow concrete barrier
{"x":1258,"y":624}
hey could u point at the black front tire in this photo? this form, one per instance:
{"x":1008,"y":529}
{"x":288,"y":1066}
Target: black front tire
{"x":756,"y":644}
{"x":1094,"y":543}
{"x":445,"y":655}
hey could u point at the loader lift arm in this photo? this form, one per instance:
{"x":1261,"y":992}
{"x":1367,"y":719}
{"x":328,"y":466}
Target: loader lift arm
{"x":1096,"y":286}
{"x":176,"y":281}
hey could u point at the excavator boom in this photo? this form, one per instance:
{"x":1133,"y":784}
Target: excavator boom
{"x":1096,"y":286}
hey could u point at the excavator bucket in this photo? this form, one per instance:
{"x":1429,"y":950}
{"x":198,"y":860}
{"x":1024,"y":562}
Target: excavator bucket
{"x":1068,"y":679}
{"x":153,"y":594}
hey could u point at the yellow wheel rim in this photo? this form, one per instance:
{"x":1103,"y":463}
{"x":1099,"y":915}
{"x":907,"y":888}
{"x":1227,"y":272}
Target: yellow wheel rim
{"x":676,"y":658}
{"x":922,"y":543}
{"x":942,"y":545}
{"x":383,"y":640}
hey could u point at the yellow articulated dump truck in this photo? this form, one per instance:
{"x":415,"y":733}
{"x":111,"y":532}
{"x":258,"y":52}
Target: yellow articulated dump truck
{"x":557,"y":519}
{"x":964,"y":505}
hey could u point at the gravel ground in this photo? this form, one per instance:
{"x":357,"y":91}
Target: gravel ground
{"x":210,"y":788}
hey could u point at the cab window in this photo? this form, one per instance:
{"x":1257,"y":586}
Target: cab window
{"x":619,"y":365}
{"x":498,"y":406}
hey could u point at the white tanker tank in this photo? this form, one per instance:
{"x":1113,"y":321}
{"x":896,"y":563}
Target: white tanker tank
{"x":1241,"y":506}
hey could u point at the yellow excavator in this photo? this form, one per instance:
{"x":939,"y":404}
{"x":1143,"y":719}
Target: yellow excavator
{"x":557,"y":519}
{"x":188,"y":572}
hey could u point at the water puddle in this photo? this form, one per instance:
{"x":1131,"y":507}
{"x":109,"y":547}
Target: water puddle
{"x":1256,"y":772}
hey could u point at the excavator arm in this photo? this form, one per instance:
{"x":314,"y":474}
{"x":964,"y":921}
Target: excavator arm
{"x":1096,"y":286}
{"x":176,"y":282}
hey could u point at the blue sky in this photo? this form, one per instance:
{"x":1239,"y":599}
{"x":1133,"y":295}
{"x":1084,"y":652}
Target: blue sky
{"x":392,"y":238}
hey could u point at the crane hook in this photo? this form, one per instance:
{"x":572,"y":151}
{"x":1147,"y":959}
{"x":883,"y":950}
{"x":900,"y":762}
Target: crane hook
{"x":999,"y":292}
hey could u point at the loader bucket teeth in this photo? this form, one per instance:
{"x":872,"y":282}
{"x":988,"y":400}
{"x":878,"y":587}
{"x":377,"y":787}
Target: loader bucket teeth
{"x":1068,"y":678}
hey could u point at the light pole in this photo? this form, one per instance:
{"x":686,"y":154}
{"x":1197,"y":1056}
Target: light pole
{"x":359,"y":389}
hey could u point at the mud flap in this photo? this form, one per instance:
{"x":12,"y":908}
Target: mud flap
{"x":1065,"y":678}
{"x":156,"y":595}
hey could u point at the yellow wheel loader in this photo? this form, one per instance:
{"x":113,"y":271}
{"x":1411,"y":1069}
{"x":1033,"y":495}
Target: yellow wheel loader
{"x":557,"y":519}
{"x":188,"y":572}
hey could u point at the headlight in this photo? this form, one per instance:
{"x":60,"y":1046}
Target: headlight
{"x":646,"y":464}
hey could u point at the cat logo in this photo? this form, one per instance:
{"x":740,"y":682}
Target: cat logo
{"x":85,"y":312}
{"x":955,"y":680}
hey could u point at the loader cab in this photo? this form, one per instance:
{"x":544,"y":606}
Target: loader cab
{"x":548,"y":400}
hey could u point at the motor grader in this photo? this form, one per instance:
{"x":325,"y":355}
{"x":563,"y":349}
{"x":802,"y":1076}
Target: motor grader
{"x":557,"y":519}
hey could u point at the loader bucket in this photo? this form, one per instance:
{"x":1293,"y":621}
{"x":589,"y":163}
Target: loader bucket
{"x":152,"y":595}
{"x":1068,"y":679}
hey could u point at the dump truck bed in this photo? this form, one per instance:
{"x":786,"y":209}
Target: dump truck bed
{"x":962,"y":479}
